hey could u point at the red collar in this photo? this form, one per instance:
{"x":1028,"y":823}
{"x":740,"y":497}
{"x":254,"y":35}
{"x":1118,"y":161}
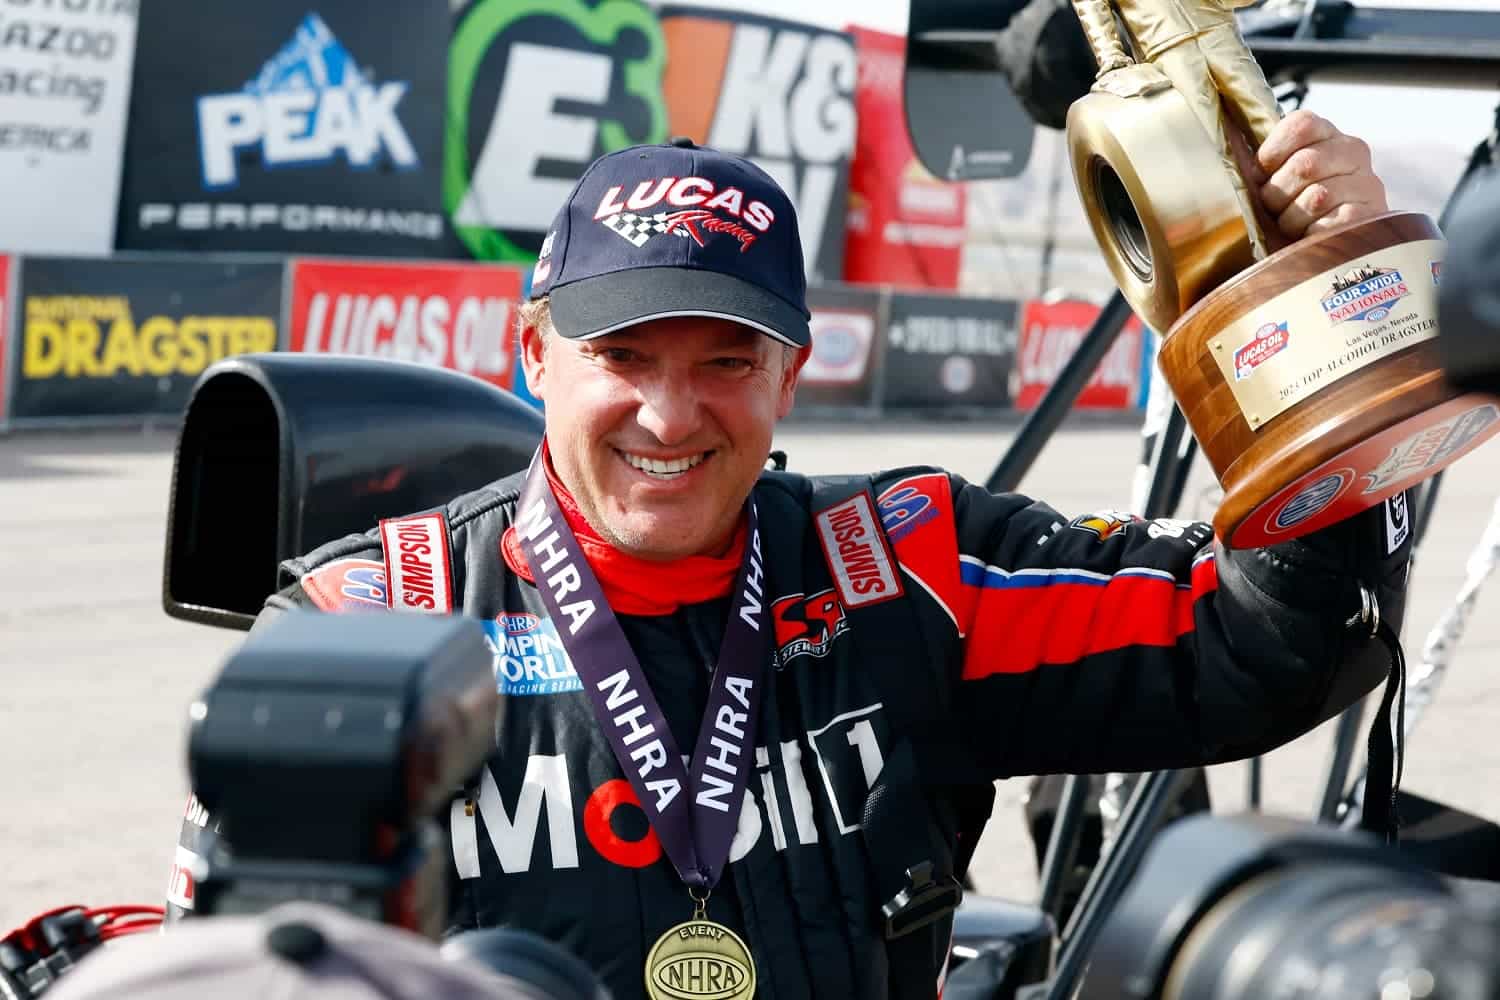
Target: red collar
{"x":635,"y":586}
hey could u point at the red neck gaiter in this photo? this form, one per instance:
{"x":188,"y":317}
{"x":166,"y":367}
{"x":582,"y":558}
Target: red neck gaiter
{"x":635,"y":586}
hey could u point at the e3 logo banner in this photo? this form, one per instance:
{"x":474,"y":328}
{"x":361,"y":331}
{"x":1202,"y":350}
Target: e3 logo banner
{"x":536,"y":90}
{"x":782,"y":94}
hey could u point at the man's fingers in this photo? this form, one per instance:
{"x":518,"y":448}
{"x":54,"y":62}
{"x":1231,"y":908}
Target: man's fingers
{"x":1296,"y":131}
{"x":1340,"y":156}
{"x":1327,"y":197}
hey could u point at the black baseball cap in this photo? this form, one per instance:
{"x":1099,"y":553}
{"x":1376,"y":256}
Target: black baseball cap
{"x":675,"y":229}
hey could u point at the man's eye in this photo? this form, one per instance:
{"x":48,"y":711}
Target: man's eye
{"x":732,"y":364}
{"x":618,"y":355}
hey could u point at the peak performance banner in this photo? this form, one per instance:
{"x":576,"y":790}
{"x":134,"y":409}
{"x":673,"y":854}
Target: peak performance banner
{"x":275,"y":126}
{"x":779,"y":92}
{"x":127,"y":338}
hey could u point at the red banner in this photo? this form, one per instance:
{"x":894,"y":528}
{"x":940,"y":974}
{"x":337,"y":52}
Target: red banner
{"x":1050,"y":332}
{"x":458,"y":316}
{"x":6,"y":303}
{"x":904,"y":227}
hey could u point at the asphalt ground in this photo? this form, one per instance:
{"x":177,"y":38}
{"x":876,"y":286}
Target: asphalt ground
{"x":97,"y":678}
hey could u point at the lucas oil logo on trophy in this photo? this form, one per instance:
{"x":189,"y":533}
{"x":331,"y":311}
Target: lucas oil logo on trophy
{"x":310,"y":105}
{"x":1366,"y":292}
{"x":1268,"y":341}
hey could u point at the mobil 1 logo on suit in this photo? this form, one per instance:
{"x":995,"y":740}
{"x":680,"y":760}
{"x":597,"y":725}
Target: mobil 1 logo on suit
{"x":319,"y":130}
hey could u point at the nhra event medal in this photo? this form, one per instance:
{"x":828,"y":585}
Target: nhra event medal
{"x":694,"y":810}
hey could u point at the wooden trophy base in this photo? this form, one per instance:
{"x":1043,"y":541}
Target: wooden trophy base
{"x":1312,"y":380}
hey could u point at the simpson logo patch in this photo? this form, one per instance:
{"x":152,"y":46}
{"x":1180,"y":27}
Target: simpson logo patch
{"x":417,"y":564}
{"x":864,"y":570}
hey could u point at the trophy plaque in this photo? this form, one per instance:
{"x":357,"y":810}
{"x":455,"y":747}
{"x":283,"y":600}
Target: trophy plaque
{"x":1309,"y":375}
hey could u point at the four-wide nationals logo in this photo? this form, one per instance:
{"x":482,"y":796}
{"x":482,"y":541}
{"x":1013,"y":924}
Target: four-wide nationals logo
{"x":536,"y":90}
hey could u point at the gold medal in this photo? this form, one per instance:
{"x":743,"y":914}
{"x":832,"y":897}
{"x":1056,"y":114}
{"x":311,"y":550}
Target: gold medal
{"x":700,"y":960}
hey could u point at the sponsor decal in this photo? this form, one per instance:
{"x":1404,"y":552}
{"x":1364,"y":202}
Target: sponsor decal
{"x":864,"y":571}
{"x":1312,"y":499}
{"x":1268,"y":341}
{"x":111,"y":337}
{"x":529,"y":656}
{"x":957,"y":374}
{"x":837,"y":762}
{"x":691,"y":224}
{"x":65,"y":69}
{"x":347,"y":585}
{"x":1437,"y":272}
{"x":1397,"y":523}
{"x":1430,"y":447}
{"x":182,"y":884}
{"x":907,"y":506}
{"x":456,"y":316}
{"x":1364,"y":293}
{"x":778,"y":92}
{"x":310,"y":105}
{"x":1104,"y":524}
{"x":535,"y":93}
{"x":417,"y":564}
{"x":807,"y":626}
{"x":841,"y":343}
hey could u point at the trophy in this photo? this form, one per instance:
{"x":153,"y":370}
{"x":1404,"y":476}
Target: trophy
{"x":1309,"y":375}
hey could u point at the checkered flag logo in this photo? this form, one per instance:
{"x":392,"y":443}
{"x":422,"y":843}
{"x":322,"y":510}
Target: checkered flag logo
{"x":636,"y":229}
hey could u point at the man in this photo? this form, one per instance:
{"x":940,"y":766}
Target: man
{"x":844,"y":664}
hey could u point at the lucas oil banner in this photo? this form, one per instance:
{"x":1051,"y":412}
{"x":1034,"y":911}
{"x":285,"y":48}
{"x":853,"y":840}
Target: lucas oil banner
{"x":282,"y":127}
{"x":64,"y":91}
{"x":779,"y":92}
{"x":536,"y":91}
{"x":1051,"y":332}
{"x":458,"y":316}
{"x":112,"y":338}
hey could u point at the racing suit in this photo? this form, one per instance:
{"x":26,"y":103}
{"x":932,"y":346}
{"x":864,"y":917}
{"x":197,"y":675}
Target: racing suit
{"x":1047,"y":646}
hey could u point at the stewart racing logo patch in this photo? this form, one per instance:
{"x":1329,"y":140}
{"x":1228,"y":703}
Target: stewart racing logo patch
{"x":807,"y":626}
{"x":529,"y":656}
{"x":1364,"y":293}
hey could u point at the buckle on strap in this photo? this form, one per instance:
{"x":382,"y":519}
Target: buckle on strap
{"x":923,"y":901}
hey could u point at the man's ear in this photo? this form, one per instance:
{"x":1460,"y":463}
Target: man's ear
{"x":534,"y":360}
{"x":792,"y":367}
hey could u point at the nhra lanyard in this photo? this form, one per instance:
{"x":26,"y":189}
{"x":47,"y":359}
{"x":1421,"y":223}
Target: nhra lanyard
{"x":694,"y":811}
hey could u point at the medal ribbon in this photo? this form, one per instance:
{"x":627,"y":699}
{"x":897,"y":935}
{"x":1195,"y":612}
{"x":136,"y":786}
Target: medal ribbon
{"x":695,"y":810}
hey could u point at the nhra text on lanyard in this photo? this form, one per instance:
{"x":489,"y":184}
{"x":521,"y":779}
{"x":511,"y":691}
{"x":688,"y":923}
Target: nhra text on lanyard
{"x":696,"y":810}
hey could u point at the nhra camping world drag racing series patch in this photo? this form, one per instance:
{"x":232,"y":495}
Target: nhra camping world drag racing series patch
{"x":529,"y":655}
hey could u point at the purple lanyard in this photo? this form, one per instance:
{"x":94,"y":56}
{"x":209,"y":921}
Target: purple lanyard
{"x":694,"y":817}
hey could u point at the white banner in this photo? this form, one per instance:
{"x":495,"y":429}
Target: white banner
{"x":64,"y":96}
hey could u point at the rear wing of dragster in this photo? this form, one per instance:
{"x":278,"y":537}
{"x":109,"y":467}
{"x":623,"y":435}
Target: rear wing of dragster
{"x":982,"y":74}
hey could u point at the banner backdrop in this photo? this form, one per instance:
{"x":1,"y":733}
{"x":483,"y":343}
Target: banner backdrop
{"x":535,"y":92}
{"x":780,"y":93}
{"x":273,"y":126}
{"x":946,"y":351}
{"x":64,"y":91}
{"x":1051,"y":332}
{"x":844,"y":368}
{"x":119,"y":338}
{"x":458,"y":316}
{"x":905,"y":227}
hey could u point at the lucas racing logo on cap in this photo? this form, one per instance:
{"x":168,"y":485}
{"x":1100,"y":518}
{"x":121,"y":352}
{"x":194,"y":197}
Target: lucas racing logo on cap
{"x":701,"y":208}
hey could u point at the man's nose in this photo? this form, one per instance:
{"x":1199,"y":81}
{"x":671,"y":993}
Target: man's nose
{"x":669,"y":410}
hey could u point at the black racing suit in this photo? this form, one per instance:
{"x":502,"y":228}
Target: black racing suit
{"x":1044,"y":646}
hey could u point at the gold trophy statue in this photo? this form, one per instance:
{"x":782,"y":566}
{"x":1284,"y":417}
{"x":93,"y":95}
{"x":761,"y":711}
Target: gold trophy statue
{"x":1309,"y":375}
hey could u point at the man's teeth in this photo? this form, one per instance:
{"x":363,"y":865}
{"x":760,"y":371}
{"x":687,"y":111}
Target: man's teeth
{"x":657,"y":467}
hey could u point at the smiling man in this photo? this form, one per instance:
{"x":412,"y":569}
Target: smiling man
{"x":752,"y":718}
